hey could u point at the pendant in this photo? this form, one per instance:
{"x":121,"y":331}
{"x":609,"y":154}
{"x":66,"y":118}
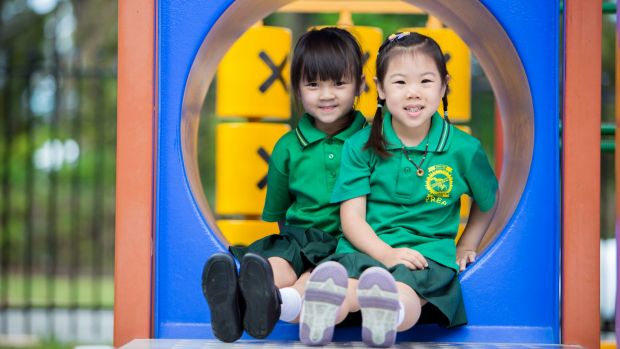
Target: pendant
{"x":420,"y":172}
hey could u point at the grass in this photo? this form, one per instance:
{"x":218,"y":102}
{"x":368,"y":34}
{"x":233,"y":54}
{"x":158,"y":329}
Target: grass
{"x":45,"y":344}
{"x":41,"y":344}
{"x":61,"y":291}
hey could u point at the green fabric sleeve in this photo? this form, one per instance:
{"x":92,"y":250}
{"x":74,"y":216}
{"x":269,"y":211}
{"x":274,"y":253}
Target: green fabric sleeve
{"x":481,"y":180}
{"x":354,"y":175}
{"x":278,"y":199}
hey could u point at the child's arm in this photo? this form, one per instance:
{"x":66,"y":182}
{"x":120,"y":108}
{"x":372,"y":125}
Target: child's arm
{"x":364,"y":238}
{"x":278,"y":198}
{"x":472,"y":235}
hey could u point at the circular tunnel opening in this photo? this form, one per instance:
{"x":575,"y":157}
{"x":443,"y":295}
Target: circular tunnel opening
{"x":486,"y":39}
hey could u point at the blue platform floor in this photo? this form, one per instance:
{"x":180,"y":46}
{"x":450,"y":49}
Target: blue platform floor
{"x":213,"y":344}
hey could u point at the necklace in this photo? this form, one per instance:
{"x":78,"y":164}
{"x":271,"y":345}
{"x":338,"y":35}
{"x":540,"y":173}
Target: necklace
{"x":420,"y":171}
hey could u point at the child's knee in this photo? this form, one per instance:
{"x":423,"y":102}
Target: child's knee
{"x":412,"y":304}
{"x":283,"y":273}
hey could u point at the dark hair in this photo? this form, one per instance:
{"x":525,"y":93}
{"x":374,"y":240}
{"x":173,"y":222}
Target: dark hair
{"x":328,"y":53}
{"x":395,"y":45}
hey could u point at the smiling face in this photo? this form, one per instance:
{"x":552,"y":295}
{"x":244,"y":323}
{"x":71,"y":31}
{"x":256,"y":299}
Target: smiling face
{"x":328,"y":102}
{"x":412,"y":89}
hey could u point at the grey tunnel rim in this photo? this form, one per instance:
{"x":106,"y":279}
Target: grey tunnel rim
{"x":479,"y":29}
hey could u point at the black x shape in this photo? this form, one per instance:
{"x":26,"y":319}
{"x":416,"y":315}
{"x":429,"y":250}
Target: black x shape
{"x":265,"y":156}
{"x":276,"y":72}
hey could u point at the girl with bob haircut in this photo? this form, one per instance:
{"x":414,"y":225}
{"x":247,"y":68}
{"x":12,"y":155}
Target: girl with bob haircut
{"x":326,"y":79}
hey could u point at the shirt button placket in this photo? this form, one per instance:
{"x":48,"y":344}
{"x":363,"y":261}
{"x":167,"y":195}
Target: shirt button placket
{"x":330,"y":164}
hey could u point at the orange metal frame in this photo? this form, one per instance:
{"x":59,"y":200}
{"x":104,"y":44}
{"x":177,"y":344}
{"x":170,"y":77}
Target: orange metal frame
{"x":134,"y":167}
{"x":581,"y":173}
{"x":581,"y":163}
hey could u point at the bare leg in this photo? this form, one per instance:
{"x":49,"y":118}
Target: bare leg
{"x":283,"y":273}
{"x":300,"y":286}
{"x":350,"y":303}
{"x":413,"y":306}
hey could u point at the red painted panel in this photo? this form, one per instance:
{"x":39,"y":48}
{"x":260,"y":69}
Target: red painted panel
{"x":581,"y":173}
{"x":134,"y":176}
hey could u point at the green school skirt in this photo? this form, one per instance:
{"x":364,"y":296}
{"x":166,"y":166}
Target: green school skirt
{"x":437,"y":284}
{"x":304,"y":248}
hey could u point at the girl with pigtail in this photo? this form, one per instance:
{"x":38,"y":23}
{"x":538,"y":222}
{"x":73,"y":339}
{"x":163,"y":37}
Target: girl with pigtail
{"x":399,"y":187}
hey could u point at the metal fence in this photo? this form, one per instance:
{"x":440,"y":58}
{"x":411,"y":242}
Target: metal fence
{"x":57,"y":180}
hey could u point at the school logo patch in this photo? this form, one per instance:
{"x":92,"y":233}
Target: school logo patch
{"x":439,"y":184}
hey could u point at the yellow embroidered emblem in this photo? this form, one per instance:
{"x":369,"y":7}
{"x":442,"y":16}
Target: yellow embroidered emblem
{"x":439,"y":184}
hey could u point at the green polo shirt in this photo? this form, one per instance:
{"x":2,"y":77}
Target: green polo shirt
{"x":302,"y":172}
{"x":406,"y":210}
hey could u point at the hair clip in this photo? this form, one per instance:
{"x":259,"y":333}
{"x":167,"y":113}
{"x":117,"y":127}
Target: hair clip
{"x":398,"y":36}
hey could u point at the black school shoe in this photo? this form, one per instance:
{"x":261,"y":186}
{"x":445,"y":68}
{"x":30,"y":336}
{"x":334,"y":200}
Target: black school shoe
{"x":262,"y":298}
{"x":221,"y":290}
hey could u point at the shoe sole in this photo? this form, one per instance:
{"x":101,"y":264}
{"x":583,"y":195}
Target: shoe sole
{"x":219,"y":286}
{"x":325,"y":291}
{"x":262,"y":303}
{"x":378,"y":298}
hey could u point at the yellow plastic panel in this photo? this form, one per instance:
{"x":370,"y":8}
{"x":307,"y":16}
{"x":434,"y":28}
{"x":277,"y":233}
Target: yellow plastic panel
{"x":245,"y":232}
{"x":464,"y":128}
{"x":241,"y":159}
{"x":459,"y":232}
{"x":370,"y":39}
{"x":608,"y":345}
{"x":459,"y":68}
{"x":465,"y":207}
{"x":253,"y":77}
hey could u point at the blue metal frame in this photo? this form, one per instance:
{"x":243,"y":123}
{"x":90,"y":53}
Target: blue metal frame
{"x":511,"y":293}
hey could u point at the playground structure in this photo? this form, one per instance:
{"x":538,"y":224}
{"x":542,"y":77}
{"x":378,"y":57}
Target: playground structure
{"x":163,"y":217}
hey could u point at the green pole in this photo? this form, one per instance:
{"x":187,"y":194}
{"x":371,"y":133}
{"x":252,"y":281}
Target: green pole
{"x":608,"y":129}
{"x":608,"y":146}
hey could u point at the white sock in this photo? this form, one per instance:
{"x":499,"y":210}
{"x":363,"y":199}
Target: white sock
{"x":401,"y":314}
{"x":291,"y":304}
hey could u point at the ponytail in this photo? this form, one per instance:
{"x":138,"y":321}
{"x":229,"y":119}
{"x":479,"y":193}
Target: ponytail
{"x":376,"y":142}
{"x":444,"y":100}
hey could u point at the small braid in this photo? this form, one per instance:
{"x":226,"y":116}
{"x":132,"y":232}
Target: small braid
{"x":376,"y":141}
{"x":444,"y":100}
